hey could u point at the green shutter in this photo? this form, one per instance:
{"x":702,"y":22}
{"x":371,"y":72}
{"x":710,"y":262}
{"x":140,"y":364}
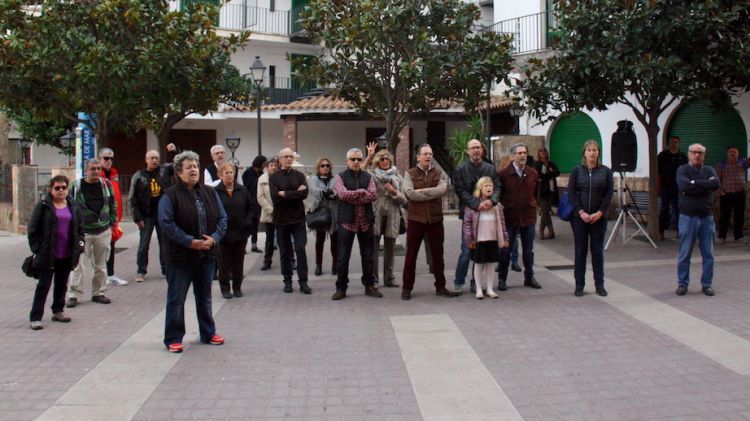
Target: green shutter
{"x":698,"y":122}
{"x":568,"y":136}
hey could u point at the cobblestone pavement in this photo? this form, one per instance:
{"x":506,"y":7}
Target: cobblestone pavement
{"x":641,"y":353}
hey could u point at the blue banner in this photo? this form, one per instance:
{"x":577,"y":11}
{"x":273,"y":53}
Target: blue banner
{"x":86,"y":145}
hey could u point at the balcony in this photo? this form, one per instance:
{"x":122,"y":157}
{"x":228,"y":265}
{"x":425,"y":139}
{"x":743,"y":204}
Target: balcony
{"x":531,"y":33}
{"x":284,"y":90}
{"x":259,"y":20}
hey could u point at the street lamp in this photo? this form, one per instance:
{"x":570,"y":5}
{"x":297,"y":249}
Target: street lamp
{"x":67,"y":141}
{"x":233,"y":142}
{"x":258,"y":70}
{"x":516,"y":111}
{"x":25,"y":145}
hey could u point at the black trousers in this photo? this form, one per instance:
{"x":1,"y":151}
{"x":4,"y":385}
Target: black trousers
{"x":292,"y":240}
{"x":254,"y":231}
{"x":231,"y":263}
{"x":320,"y":239}
{"x":59,"y":274}
{"x":270,"y":238}
{"x":111,"y":260}
{"x":728,"y":203}
{"x":345,"y":242}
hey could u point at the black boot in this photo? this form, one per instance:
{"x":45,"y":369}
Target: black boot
{"x":237,"y":289}
{"x":304,"y":288}
{"x":288,"y":286}
{"x":318,"y":269}
{"x":266,"y":265}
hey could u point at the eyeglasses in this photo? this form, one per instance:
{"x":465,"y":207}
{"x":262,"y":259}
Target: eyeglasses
{"x":355,"y":159}
{"x":325,"y":165}
{"x":58,"y":188}
{"x":108,"y":158}
{"x":697,"y":152}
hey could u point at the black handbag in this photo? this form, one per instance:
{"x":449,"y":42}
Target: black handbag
{"x":28,"y":267}
{"x":320,"y":218}
{"x":401,"y":225}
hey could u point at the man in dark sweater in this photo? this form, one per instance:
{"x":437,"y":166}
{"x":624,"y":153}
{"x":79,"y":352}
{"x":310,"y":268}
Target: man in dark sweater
{"x":667,"y":163}
{"x":464,"y":180}
{"x":288,"y":192}
{"x":696,"y":183}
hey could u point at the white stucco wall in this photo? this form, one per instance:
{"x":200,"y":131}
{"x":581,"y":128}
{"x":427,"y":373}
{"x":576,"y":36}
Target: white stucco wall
{"x":509,"y":9}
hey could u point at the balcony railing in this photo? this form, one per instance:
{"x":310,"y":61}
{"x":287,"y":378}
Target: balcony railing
{"x":284,"y":90}
{"x":531,"y":33}
{"x":258,"y":20}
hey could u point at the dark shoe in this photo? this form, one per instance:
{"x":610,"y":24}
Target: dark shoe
{"x":338,"y":295}
{"x":515,"y":267}
{"x":406,"y":295}
{"x":237,"y":292}
{"x":334,"y":272}
{"x":578,"y":292}
{"x":473,"y":287}
{"x":373,"y":292}
{"x":445,"y":292}
{"x":532,"y":283}
{"x":601,"y":291}
{"x":288,"y":287}
{"x":390,"y":284}
{"x":318,"y":270}
{"x":72,"y":302}
{"x":266,"y":266}
{"x":101,"y":299}
{"x":305,"y":289}
{"x":709,"y":291}
{"x":226,"y":294}
{"x":60,"y":317}
{"x":502,"y":286}
{"x":681,"y":290}
{"x":255,"y":249}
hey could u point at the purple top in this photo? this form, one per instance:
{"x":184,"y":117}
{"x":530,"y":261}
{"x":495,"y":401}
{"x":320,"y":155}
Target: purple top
{"x":62,"y":243}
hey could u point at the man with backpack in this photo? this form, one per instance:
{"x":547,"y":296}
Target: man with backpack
{"x":732,"y":175}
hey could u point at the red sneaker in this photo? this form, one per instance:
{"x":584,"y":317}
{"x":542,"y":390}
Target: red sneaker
{"x":216,"y":340}
{"x":175,"y":348}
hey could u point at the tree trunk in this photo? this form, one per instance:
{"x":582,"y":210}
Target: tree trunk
{"x":653,"y":195}
{"x":163,"y":139}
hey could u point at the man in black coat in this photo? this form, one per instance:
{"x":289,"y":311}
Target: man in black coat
{"x":250,"y":180}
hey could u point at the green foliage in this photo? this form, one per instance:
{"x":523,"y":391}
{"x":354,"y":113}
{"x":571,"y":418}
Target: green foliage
{"x":644,"y":54}
{"x":460,"y":138}
{"x":395,"y":58}
{"x":44,"y":132}
{"x":129,"y":62}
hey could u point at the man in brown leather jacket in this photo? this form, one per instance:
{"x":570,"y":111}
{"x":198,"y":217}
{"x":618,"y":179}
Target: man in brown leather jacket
{"x":518,"y":197}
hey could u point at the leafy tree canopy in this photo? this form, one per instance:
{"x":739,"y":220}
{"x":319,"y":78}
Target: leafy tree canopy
{"x":395,"y":58}
{"x":645,"y":54}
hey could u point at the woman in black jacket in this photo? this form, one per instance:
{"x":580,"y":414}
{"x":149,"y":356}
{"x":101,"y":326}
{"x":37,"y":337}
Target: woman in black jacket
{"x":55,"y":235}
{"x":590,"y":191}
{"x":241,"y":214}
{"x":548,"y":173}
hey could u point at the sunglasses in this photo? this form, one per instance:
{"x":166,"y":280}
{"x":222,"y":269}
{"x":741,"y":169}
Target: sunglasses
{"x":355,"y":159}
{"x":385,"y":158}
{"x":108,"y":158}
{"x":58,"y":188}
{"x":325,"y":165}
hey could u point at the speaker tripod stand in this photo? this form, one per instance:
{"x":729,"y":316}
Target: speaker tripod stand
{"x":627,"y":213}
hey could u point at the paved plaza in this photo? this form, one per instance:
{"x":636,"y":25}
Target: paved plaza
{"x":641,"y":353}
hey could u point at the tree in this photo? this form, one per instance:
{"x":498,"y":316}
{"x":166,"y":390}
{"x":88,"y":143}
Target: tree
{"x":43,"y":132}
{"x":114,"y":59}
{"x":396,"y":58}
{"x":644,"y":54}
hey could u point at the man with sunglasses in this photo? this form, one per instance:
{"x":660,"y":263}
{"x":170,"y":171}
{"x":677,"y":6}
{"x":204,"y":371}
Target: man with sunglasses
{"x":356,"y":191}
{"x":288,"y":192}
{"x":696,"y":184}
{"x":109,"y":172}
{"x":95,"y":199}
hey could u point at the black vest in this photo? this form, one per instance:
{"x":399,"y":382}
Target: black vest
{"x":353,"y":181}
{"x":186,"y":217}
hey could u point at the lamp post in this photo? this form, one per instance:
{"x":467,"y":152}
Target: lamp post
{"x":258,"y":70}
{"x":25,"y":145}
{"x":67,"y":141}
{"x":516,"y":111}
{"x":233,"y":142}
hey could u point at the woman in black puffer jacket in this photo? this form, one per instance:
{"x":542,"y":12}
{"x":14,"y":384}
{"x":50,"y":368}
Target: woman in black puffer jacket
{"x":590,"y":191}
{"x":55,"y":235}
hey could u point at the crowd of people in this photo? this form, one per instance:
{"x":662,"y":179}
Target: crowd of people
{"x":203,"y":228}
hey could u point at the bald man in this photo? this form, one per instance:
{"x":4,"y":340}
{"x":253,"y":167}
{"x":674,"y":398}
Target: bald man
{"x":146,"y":189}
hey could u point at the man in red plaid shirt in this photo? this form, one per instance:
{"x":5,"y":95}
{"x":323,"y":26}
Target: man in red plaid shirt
{"x":356,"y":192}
{"x":732,"y":175}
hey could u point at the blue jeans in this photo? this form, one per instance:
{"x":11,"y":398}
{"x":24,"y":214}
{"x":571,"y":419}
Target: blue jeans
{"x":670,"y":208}
{"x":149,"y":225}
{"x":585,"y":236}
{"x":702,"y":229}
{"x":527,"y":247}
{"x":514,"y":251}
{"x":462,"y":267}
{"x":179,"y":277}
{"x":285,"y":235}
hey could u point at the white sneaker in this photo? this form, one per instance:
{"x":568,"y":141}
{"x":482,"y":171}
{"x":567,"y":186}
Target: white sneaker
{"x":115,"y":281}
{"x":491,"y":294}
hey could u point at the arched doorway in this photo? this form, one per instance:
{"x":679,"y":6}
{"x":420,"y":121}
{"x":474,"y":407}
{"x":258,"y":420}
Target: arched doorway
{"x":569,"y":134}
{"x":698,"y":122}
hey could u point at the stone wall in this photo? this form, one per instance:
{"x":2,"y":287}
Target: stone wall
{"x":30,"y":183}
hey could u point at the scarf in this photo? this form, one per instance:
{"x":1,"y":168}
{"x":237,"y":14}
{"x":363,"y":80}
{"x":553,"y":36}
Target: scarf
{"x":388,"y":176}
